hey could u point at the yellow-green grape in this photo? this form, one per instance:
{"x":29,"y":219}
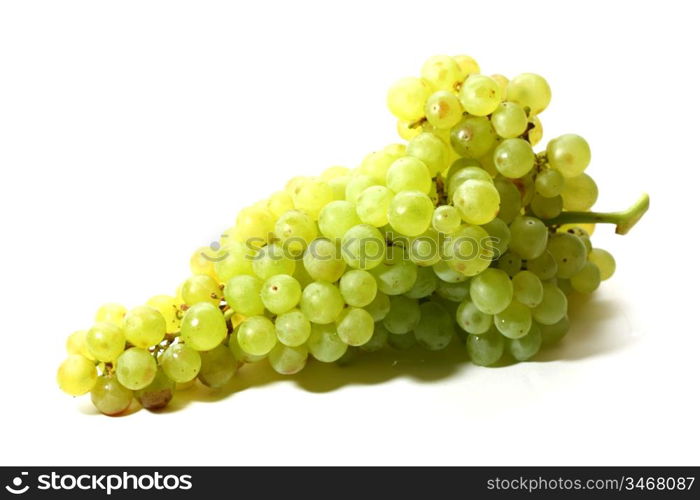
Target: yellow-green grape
{"x":466,"y":252}
{"x":431,"y":150}
{"x":486,"y":349}
{"x":373,"y":205}
{"x":444,"y":271}
{"x":243,"y":295}
{"x":292,"y":328}
{"x":339,"y":185}
{"x":110,"y":397}
{"x":334,"y":172}
{"x":511,"y":263}
{"x":499,"y":234}
{"x":287,"y":360}
{"x":511,"y":201}
{"x":402,"y":342}
{"x":478,"y":202}
{"x":569,"y":252}
{"x":569,"y":153}
{"x":295,"y":230}
{"x":144,"y":327}
{"x":302,"y":276}
{"x":472,"y":320}
{"x":254,"y":225}
{"x":358,"y":288}
{"x":311,"y":196}
{"x":473,"y":136}
{"x":363,"y":247}
{"x":396,"y":278}
{"x":452,"y":292}
{"x":294,"y":183}
{"x":157,"y":394}
{"x":553,"y":306}
{"x":218,"y":367}
{"x":526,"y":347}
{"x":201,"y":288}
{"x":202,"y":262}
{"x":527,"y":288}
{"x":257,"y":335}
{"x":587,"y":280}
{"x":406,"y":98}
{"x":544,"y":266}
{"x":424,"y":250}
{"x":435,"y":329}
{"x":604,"y":261}
{"x":105,"y":341}
{"x":234,"y":258}
{"x":407,"y":130}
{"x":136,"y":368}
{"x":336,"y":218}
{"x":443,"y":110}
{"x":467,"y":65}
{"x":323,"y":260}
{"x":583,"y":236}
{"x":356,"y":185}
{"x":530,"y":91}
{"x":441,"y":72}
{"x":514,"y":158}
{"x":77,"y":375}
{"x":355,"y":326}
{"x":514,"y":321}
{"x":528,"y":237}
{"x":203,"y":327}
{"x":403,"y":315}
{"x":425,"y":284}
{"x":378,"y":340}
{"x":180,"y":363}
{"x":408,"y":174}
{"x":549,"y":183}
{"x":271,"y":260}
{"x":446,"y":219}
{"x":463,"y":174}
{"x":480,"y":95}
{"x":379,"y":307}
{"x":77,"y":344}
{"x":324,"y":343}
{"x":377,"y":163}
{"x":535,"y":133}
{"x":321,"y":302}
{"x":239,"y":354}
{"x":491,"y":291}
{"x":509,"y":120}
{"x":169,"y":308}
{"x":280,"y":293}
{"x":580,"y":193}
{"x":111,"y":313}
{"x":411,"y":213}
{"x":279,"y":203}
{"x":546,"y":208}
{"x":502,"y":82}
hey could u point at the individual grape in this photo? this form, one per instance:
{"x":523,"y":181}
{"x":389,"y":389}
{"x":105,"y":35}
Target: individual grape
{"x":443,"y":271}
{"x":239,"y":354}
{"x":408,"y":130}
{"x":511,"y":263}
{"x":280,"y":293}
{"x":202,"y":262}
{"x":169,"y":308}
{"x":324,"y":343}
{"x":363,"y":247}
{"x":105,"y":341}
{"x":77,"y":344}
{"x":424,"y":250}
{"x":321,"y":302}
{"x":243,"y":295}
{"x":526,"y":347}
{"x":514,"y":321}
{"x":293,"y":328}
{"x":408,"y":174}
{"x":546,"y":208}
{"x":395,"y":279}
{"x":544,"y":267}
{"x":565,"y":286}
{"x":535,"y":133}
{"x":467,"y":65}
{"x":446,"y":219}
{"x":463,"y":174}
{"x":441,"y":72}
{"x":530,"y":91}
{"x":569,"y":154}
{"x":403,"y":316}
{"x":406,"y":98}
{"x":604,"y":261}
{"x":144,"y":327}
{"x":180,"y":363}
{"x":378,"y":340}
{"x":287,"y":360}
{"x":235,"y":258}
{"x":201,"y":288}
{"x":473,"y":137}
{"x":443,"y":110}
{"x":355,"y":326}
{"x":509,"y":120}
{"x":336,"y":218}
{"x":553,"y":306}
{"x":323,"y":261}
{"x":435,"y":328}
{"x":295,"y":230}
{"x":468,"y":251}
{"x":480,"y":95}
{"x":356,"y":185}
{"x":424,"y":286}
{"x":311,"y":196}
{"x":402,"y":342}
{"x":379,"y":307}
{"x":358,"y":288}
{"x":514,"y":158}
{"x":551,"y":334}
{"x":472,"y":320}
{"x":279,"y":203}
{"x":528,"y":237}
{"x":339,"y":185}
{"x":491,"y":291}
{"x":109,"y":396}
{"x":77,"y":375}
{"x":136,"y":368}
{"x":527,"y":288}
{"x":256,"y":335}
{"x":111,"y":313}
{"x":526,"y":186}
{"x":581,"y":234}
{"x":485,"y":349}
{"x":569,"y":252}
{"x":377,"y":163}
{"x":511,"y":202}
{"x":587,"y":280}
{"x":254,"y":225}
{"x":272,"y":260}
{"x":499,"y":234}
{"x":431,"y":150}
{"x":580,"y":193}
{"x":410,"y":213}
{"x":203,"y":327}
{"x":218,"y":367}
{"x":373,"y":206}
{"x":334,"y":172}
{"x":549,"y":183}
{"x":157,"y":394}
{"x":478,"y":202}
{"x":454,"y":292}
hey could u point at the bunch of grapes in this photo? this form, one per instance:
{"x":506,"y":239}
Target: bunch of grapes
{"x":461,"y":234}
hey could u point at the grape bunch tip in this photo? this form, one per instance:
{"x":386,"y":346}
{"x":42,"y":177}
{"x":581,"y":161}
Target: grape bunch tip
{"x":460,"y":233}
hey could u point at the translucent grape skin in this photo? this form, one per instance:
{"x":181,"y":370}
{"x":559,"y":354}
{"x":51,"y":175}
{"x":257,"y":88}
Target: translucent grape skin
{"x":569,"y":252}
{"x":218,"y":367}
{"x":157,"y":394}
{"x":526,"y":347}
{"x":77,"y":375}
{"x":336,"y":218}
{"x":527,"y":288}
{"x":379,"y":307}
{"x":553,"y":306}
{"x":411,"y":213}
{"x":203,"y":327}
{"x":580,"y":193}
{"x":323,"y":260}
{"x":528,"y":237}
{"x":604,"y":261}
{"x":280,"y":293}
{"x":373,"y":206}
{"x":395,"y":279}
{"x":431,"y":150}
{"x":514,"y":158}
{"x":321,"y":302}
{"x":105,"y":341}
{"x":544,"y":267}
{"x":587,"y":280}
{"x":515,"y":321}
{"x":406,"y":98}
{"x":408,"y":174}
{"x":358,"y":288}
{"x":201,"y":288}
{"x":569,"y":154}
{"x":480,"y":95}
{"x":486,"y":349}
{"x":355,"y":326}
{"x":144,"y":326}
{"x":425,"y":284}
{"x":443,"y":109}
{"x":530,"y":91}
{"x":242,"y":294}
{"x":256,"y":335}
{"x":292,"y":328}
{"x":511,"y":202}
{"x":136,"y":368}
{"x":403,"y":316}
{"x":435,"y":329}
{"x":111,"y":313}
{"x":287,"y":360}
{"x":109,"y":396}
{"x":296,"y":230}
{"x":472,"y":320}
{"x":549,"y":183}
{"x":491,"y":291}
{"x":478,"y":202}
{"x":473,"y":137}
{"x":379,"y":339}
{"x":324,"y":343}
{"x":180,"y":363}
{"x":509,"y":120}
{"x":363,"y":247}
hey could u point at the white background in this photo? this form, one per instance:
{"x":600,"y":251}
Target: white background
{"x":132,"y":132}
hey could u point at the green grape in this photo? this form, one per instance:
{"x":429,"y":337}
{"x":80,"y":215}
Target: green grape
{"x":424,"y":250}
{"x":546,"y":208}
{"x":551,"y":334}
{"x":292,"y":328}
{"x":443,"y":109}
{"x":511,"y":263}
{"x":425,"y":284}
{"x":514,"y":158}
{"x":356,"y":185}
{"x":544,"y":267}
{"x":243,"y":295}
{"x":279,"y":203}
{"x":287,"y":360}
{"x":604,"y":261}
{"x":280,"y":293}
{"x":473,"y":169}
{"x":478,"y":202}
{"x":157,"y":394}
{"x":377,"y":163}
{"x":526,"y":347}
{"x":169,"y":308}
{"x":408,"y":174}
{"x":363,"y":247}
{"x":256,"y":335}
{"x":109,"y":396}
{"x":272,"y":260}
{"x":528,"y":237}
{"x":410,"y":213}
{"x":468,"y":251}
{"x":254,"y":225}
{"x":472,"y":320}
{"x":446,"y":219}
{"x":402,"y":342}
{"x":144,"y":327}
{"x":535,"y":133}
{"x":203,"y":327}
{"x":379,"y":307}
{"x":502,"y":82}
{"x":549,"y":183}
{"x":111,"y":313}
{"x":569,"y":154}
{"x":435,"y":328}
{"x":77,"y":344}
{"x":473,"y":137}
{"x":527,"y":288}
{"x":239,"y":354}
{"x":373,"y":206}
{"x":105,"y":341}
{"x":403,"y":315}
{"x":201,"y":262}
{"x":491,"y":291}
{"x":553,"y":306}
{"x":339,"y":185}
{"x":311,"y":196}
{"x":406,"y":98}
{"x":530,"y":91}
{"x":587,"y":280}
{"x":480,"y":95}
{"x":334,"y":172}
{"x":321,"y":302}
{"x":485,"y":349}
{"x":336,"y":218}
{"x":395,"y":279}
{"x":322,"y":260}
{"x":358,"y":288}
{"x":499,"y":236}
{"x":77,"y":375}
{"x":443,"y":271}
{"x":441,"y":72}
{"x":235,"y":258}
{"x":467,"y":65}
{"x":580,"y":193}
{"x":180,"y":363}
{"x":581,"y":234}
{"x":355,"y":326}
{"x":569,"y":252}
{"x":514,"y":321}
{"x":324,"y":343}
{"x":408,"y":130}
{"x":295,"y":230}
{"x":565,"y":286}
{"x":509,"y":120}
{"x":136,"y":368}
{"x":526,"y":186}
{"x":201,"y":288}
{"x":431,"y":150}
{"x":511,"y":202}
{"x":454,"y":292}
{"x":378,"y":340}
{"x":218,"y":367}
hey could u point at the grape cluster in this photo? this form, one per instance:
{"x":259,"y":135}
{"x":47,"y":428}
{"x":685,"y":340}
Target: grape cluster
{"x":461,"y":234}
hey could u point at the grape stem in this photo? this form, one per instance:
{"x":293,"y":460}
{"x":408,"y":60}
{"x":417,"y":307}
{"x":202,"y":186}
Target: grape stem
{"x":624,"y":220}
